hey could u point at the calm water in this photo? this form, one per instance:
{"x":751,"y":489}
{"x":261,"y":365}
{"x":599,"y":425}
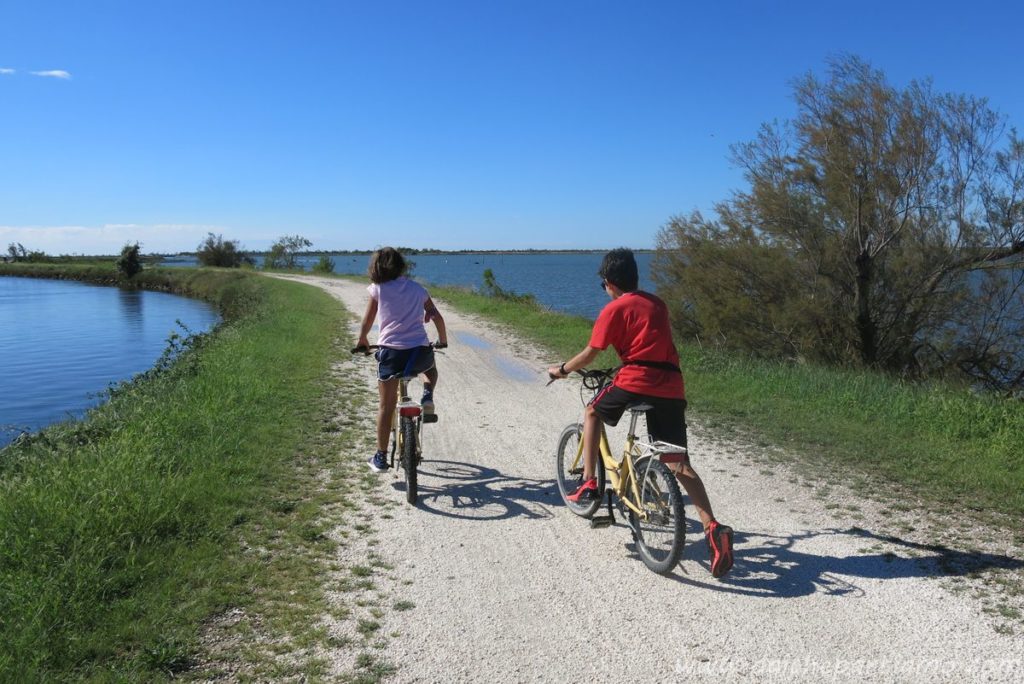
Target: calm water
{"x":563,"y":282}
{"x":62,"y":343}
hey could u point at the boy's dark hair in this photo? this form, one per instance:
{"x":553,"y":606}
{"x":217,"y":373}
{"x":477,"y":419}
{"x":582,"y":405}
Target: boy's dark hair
{"x":619,"y":269}
{"x":386,"y":264}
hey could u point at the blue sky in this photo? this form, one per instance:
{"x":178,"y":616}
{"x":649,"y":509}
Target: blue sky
{"x":444,"y":124}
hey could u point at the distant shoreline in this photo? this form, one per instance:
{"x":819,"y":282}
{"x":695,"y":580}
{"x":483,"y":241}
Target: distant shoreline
{"x":406,"y":250}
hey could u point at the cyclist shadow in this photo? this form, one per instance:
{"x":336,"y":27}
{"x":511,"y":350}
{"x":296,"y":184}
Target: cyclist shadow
{"x":473,"y":492}
{"x":771,"y":566}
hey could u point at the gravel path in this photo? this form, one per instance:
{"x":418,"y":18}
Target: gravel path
{"x":508,"y":585}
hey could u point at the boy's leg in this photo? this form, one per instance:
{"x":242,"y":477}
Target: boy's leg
{"x":694,"y":487}
{"x":386,"y":411}
{"x":588,"y":489}
{"x":667,"y":422}
{"x":591,"y":443}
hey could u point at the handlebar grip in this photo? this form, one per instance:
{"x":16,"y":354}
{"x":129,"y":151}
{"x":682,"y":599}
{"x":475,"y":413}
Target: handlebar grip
{"x":361,"y":349}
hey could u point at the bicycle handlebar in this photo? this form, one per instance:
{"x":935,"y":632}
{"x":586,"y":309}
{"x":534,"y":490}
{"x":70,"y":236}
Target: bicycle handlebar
{"x":592,"y":379}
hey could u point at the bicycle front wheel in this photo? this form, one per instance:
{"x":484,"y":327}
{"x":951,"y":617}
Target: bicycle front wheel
{"x":660,"y":536}
{"x":569,"y":470}
{"x":409,"y":448}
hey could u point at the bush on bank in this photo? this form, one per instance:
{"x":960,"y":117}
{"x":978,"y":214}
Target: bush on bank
{"x":119,"y":533}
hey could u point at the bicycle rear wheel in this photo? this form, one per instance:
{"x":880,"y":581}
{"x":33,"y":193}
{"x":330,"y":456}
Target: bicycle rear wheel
{"x":569,"y":470}
{"x":409,"y":449}
{"x":660,"y":537}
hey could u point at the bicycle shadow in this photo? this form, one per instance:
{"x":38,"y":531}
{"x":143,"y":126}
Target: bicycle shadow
{"x":771,"y":566}
{"x":475,"y":492}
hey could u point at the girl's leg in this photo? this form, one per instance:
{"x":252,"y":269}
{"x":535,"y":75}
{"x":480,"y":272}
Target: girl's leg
{"x":430,"y":380}
{"x":386,"y":411}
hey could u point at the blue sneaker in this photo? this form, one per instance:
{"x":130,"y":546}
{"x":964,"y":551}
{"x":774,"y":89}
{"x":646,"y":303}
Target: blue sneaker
{"x":427,"y":402}
{"x":378,"y":462}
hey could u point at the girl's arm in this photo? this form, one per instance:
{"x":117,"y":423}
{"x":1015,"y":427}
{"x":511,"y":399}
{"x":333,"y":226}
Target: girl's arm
{"x":432,"y":314}
{"x":368,"y":318}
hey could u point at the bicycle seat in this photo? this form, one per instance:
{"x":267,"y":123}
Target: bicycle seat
{"x":639,"y":406}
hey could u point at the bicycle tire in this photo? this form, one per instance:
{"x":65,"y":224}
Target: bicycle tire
{"x":660,"y":539}
{"x":568,"y":445}
{"x":409,"y":458}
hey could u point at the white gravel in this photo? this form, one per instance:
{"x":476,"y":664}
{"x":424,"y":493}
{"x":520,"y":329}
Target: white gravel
{"x":508,"y":585}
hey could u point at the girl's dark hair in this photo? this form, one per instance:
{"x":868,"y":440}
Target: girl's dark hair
{"x":386,"y":264}
{"x":619,"y":268}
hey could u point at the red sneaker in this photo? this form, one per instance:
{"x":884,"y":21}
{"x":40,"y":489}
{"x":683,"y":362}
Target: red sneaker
{"x":585,"y":492}
{"x":720,"y":542}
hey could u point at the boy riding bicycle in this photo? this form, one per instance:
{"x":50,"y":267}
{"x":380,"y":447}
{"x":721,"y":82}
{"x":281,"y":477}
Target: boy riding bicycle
{"x":636,"y":324}
{"x":404,"y":306}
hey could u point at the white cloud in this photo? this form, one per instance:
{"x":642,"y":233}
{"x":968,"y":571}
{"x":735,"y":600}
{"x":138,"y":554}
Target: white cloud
{"x":110,"y":238}
{"x":53,"y":73}
{"x":6,"y":71}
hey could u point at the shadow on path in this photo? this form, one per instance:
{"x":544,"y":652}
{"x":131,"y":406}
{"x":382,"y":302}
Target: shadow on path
{"x":473,"y":492}
{"x":771,"y":566}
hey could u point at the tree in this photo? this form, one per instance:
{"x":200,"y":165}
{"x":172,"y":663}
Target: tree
{"x":881,"y":227}
{"x":129,"y":263}
{"x":283,"y":253}
{"x":17,"y":252}
{"x":216,"y":251}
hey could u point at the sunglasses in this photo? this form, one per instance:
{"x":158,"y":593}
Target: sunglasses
{"x":604,"y":284}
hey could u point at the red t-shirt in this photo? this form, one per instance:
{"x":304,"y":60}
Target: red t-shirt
{"x":636,"y":324}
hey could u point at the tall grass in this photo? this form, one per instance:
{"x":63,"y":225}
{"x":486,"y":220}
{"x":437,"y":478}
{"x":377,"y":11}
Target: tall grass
{"x":118,"y":533}
{"x":941,"y":442}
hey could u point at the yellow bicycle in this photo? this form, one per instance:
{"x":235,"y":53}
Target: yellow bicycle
{"x":645,"y":489}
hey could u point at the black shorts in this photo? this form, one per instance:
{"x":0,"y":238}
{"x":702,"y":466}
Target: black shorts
{"x":666,"y":422}
{"x":397,"y":363}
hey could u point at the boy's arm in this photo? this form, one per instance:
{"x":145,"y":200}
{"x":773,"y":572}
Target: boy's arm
{"x":430,"y":313}
{"x":581,"y":360}
{"x":368,"y":318}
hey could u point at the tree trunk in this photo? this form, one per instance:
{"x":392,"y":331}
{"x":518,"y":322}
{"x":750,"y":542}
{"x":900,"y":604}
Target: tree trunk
{"x":866,"y":329}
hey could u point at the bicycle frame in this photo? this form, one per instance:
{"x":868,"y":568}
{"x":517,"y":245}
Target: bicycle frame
{"x":620,"y":472}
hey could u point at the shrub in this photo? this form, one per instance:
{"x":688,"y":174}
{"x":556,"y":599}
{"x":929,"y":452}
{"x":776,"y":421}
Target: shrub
{"x":325,"y":265}
{"x":129,"y":263}
{"x":216,"y":251}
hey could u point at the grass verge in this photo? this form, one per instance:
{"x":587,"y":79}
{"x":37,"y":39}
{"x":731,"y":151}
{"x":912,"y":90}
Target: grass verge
{"x":944,"y":444}
{"x":192,"y":492}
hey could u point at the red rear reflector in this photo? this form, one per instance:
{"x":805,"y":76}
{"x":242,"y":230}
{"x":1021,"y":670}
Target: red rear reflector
{"x":411,"y":411}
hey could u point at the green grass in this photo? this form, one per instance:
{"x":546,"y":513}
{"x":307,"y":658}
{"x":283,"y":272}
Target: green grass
{"x":943,"y":443}
{"x":121,"y":534}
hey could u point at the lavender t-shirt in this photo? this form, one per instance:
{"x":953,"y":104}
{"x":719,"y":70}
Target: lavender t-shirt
{"x":400,"y":312}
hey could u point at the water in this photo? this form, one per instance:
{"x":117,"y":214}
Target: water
{"x":63,"y":343}
{"x":563,"y":282}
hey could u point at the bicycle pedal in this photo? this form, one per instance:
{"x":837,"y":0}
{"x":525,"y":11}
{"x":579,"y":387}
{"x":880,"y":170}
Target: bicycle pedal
{"x":429,"y":417}
{"x":601,"y":521}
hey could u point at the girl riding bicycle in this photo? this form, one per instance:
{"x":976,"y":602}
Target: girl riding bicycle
{"x":404,"y":307}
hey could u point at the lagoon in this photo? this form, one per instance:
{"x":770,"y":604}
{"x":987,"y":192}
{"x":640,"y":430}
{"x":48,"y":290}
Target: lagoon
{"x":564,"y":282}
{"x":63,"y":343}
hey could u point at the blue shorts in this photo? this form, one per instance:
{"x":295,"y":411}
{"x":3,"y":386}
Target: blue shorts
{"x":397,"y":363}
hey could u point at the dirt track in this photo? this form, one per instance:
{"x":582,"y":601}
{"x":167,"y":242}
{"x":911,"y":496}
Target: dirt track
{"x":510,"y":586}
